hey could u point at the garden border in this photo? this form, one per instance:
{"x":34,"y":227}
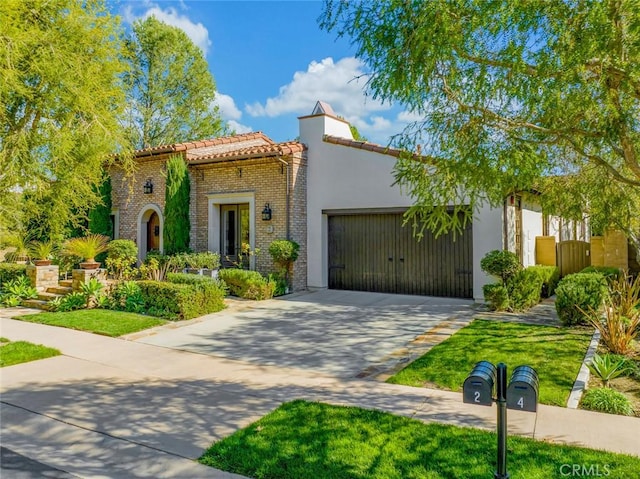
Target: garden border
{"x":583,"y":375}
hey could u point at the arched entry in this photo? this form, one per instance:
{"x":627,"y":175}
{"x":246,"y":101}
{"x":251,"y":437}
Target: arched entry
{"x":150,"y":226}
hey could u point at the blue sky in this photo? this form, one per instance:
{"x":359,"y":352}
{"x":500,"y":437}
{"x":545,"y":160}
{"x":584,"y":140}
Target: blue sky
{"x":271,"y":63}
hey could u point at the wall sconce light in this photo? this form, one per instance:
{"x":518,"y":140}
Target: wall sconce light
{"x":266,"y":213}
{"x":148,"y":187}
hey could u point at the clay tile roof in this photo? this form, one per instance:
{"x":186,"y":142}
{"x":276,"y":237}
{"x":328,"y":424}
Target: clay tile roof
{"x":251,"y":151}
{"x":363,"y":145}
{"x":253,"y":137}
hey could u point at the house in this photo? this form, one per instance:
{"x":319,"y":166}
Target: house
{"x":331,"y":194}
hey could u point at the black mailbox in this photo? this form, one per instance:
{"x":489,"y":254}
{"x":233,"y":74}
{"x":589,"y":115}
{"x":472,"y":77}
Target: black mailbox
{"x":478,"y":387}
{"x":522,"y":393}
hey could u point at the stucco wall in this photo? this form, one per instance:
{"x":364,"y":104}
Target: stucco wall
{"x":342,"y":177}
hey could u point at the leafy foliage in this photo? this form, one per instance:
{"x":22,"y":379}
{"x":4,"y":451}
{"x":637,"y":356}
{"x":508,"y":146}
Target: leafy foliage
{"x":606,"y":400}
{"x":87,"y":247}
{"x":247,"y":284}
{"x":176,"y":210}
{"x":11,"y":272}
{"x":284,"y":253}
{"x":181,"y":301}
{"x":617,"y":331}
{"x":549,"y":275}
{"x":500,"y":263}
{"x":577,"y":294}
{"x":496,"y":296}
{"x":156,"y":266}
{"x":512,"y":95}
{"x":122,"y":257}
{"x":609,"y":272}
{"x":41,"y":249}
{"x":100,"y":214}
{"x":126,"y":296}
{"x":524,"y":289}
{"x":203,"y":260}
{"x":61,"y":102}
{"x":607,"y":367}
{"x":169,"y":88}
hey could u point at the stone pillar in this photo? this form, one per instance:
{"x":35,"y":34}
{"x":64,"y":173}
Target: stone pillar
{"x":81,"y":276}
{"x":43,"y":277}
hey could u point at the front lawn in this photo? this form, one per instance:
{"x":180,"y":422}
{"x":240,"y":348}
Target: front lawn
{"x":312,"y":440}
{"x":555,"y":353}
{"x":21,"y":352}
{"x":99,"y":321}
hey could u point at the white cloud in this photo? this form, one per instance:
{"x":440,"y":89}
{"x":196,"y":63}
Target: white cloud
{"x":341,"y":84}
{"x":230,"y":113}
{"x":239,"y":127}
{"x":197,"y":32}
{"x":227,"y":106}
{"x":409,"y":117}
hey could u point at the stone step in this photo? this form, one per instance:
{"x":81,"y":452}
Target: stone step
{"x":36,"y":303}
{"x":48,"y":296}
{"x":59,"y":290}
{"x":67,"y":283}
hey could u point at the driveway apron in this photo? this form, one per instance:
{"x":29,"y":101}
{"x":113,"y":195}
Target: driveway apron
{"x":335,"y":332}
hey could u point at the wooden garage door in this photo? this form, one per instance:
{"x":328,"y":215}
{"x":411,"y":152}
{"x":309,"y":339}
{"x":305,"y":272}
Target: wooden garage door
{"x":374,"y":252}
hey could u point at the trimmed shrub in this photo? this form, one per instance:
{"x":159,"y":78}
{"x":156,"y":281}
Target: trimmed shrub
{"x":550,"y":275}
{"x":247,"y":284}
{"x":181,"y":301}
{"x":496,"y":296}
{"x":100,"y":215}
{"x":280,"y":284}
{"x":11,"y":272}
{"x":284,"y":253}
{"x":524,"y":290}
{"x":500,"y":263}
{"x":577,"y":294}
{"x":193,"y":279}
{"x":609,"y":272}
{"x":606,"y":400}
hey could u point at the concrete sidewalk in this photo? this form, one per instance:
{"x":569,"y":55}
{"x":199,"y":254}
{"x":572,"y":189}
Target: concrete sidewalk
{"x":115,"y":408}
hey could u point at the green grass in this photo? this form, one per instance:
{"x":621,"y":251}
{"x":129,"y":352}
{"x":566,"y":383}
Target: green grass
{"x":99,"y":321}
{"x":21,"y":352}
{"x":312,"y":440}
{"x":555,"y":353}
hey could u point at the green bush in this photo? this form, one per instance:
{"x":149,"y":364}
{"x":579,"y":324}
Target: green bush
{"x":70,"y":302}
{"x":177,"y":226}
{"x":577,"y":294}
{"x":181,"y":301}
{"x":203,"y":260}
{"x":247,"y":284}
{"x":11,"y":272}
{"x":121,"y":259}
{"x":193,"y":279}
{"x":281,"y":285}
{"x":496,"y":296}
{"x":609,"y":272}
{"x":606,"y":400}
{"x":524,"y":289}
{"x":126,"y":296}
{"x":549,"y":275}
{"x":500,"y":263}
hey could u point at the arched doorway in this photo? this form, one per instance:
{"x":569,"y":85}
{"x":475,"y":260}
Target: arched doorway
{"x":150,"y":225}
{"x":153,"y":232}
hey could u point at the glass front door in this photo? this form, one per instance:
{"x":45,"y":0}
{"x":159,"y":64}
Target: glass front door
{"x":235,"y":234}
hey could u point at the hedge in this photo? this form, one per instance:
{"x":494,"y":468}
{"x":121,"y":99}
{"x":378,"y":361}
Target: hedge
{"x":549,"y":275}
{"x":609,"y":272}
{"x":247,"y":284}
{"x":187,"y":278}
{"x":524,"y":289}
{"x":181,"y":301}
{"x":11,"y":271}
{"x":579,"y":293}
{"x":496,"y":296}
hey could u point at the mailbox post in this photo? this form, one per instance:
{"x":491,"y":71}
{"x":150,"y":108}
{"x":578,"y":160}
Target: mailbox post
{"x":521,"y":394}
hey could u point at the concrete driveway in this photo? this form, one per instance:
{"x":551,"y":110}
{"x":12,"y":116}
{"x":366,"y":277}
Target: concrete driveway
{"x":341,"y":333}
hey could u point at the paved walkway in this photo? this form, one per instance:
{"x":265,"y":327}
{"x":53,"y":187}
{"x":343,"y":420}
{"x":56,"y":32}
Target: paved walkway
{"x":115,"y":408}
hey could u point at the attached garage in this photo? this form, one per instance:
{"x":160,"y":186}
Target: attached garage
{"x":375,"y":252}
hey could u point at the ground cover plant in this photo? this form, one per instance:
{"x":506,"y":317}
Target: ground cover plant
{"x":312,"y":440}
{"x":448,"y":363}
{"x":99,"y":321}
{"x":16,"y":352}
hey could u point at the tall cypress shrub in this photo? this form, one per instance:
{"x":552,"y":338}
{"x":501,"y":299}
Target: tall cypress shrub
{"x":100,"y":215}
{"x":176,"y":208}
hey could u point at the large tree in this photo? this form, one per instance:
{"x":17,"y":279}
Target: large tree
{"x":169,"y":87}
{"x":60,"y":103}
{"x":514,"y":94}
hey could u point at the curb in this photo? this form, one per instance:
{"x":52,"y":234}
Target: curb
{"x":583,"y":376}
